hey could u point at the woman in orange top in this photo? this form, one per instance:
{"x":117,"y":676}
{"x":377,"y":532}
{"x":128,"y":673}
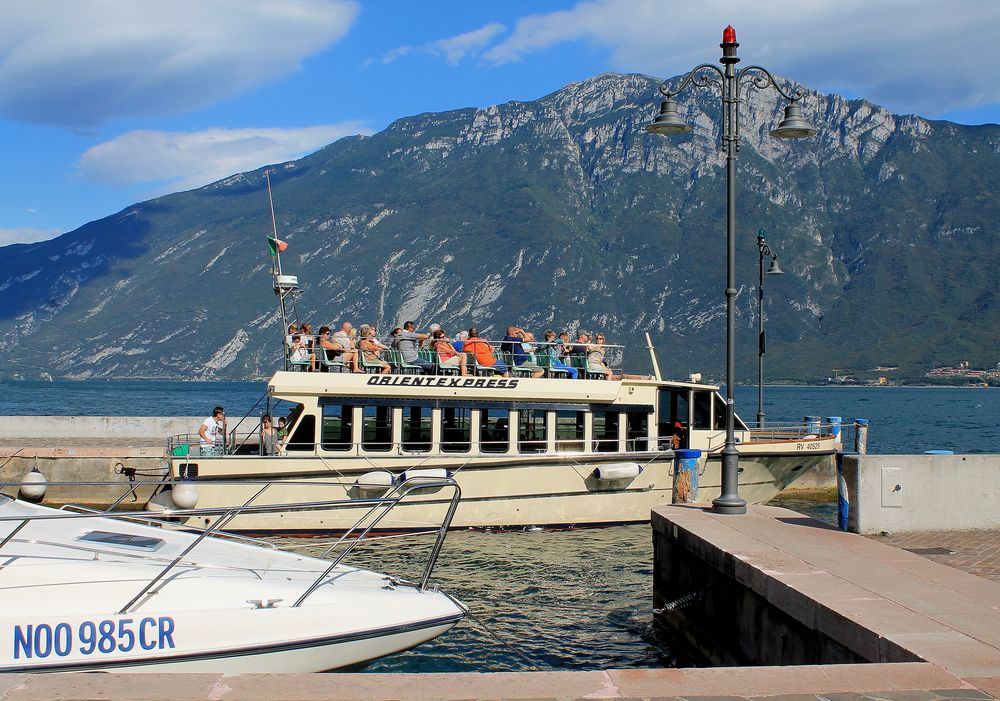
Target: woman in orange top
{"x":484,"y":353}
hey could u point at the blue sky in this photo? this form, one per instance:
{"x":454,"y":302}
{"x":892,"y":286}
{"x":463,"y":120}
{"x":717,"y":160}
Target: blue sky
{"x":104,"y":103}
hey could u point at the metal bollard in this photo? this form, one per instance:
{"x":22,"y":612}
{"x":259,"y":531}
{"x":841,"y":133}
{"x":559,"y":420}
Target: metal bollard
{"x":686,"y":476}
{"x":861,"y":436}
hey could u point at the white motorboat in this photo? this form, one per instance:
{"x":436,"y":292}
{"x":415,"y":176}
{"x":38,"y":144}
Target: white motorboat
{"x":98,"y":591}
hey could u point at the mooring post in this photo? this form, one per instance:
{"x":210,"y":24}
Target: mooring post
{"x":686,"y":476}
{"x":861,"y":436}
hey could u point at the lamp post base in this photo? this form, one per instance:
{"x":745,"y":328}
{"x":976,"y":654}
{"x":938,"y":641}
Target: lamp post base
{"x":738,"y":506}
{"x":730,"y":501}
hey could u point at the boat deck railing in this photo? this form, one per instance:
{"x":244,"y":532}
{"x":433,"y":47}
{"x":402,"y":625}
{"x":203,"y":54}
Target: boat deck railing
{"x":614,"y":359}
{"x":375,"y":509}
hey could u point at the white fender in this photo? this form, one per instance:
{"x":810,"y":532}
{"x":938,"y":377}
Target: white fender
{"x":34,"y":486}
{"x":184,"y":494}
{"x":617,"y":471}
{"x":379,"y":479}
{"x":436,"y":472}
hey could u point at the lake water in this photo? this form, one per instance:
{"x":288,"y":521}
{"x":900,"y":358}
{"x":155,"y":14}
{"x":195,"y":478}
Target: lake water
{"x":557,"y":600}
{"x":903,"y":419}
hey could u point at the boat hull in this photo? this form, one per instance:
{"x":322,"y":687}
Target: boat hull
{"x":91,"y":592}
{"x":555,"y":492}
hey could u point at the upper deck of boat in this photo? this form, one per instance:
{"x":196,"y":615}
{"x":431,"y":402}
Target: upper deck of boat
{"x":294,"y":385}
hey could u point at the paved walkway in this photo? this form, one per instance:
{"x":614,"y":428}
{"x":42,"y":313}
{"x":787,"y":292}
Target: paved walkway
{"x":908,"y":681}
{"x":976,"y":552}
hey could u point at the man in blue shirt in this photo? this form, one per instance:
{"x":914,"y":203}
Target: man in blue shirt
{"x":512,"y":344}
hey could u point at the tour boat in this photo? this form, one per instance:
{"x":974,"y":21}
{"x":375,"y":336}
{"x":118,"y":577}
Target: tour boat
{"x":547,"y":451}
{"x":526,"y":452}
{"x":88,"y":591}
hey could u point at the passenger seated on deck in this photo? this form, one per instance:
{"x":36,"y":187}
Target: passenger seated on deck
{"x":459,"y":342}
{"x":484,"y":353}
{"x":512,"y":343}
{"x":448,"y":356}
{"x":408,"y":343}
{"x":299,"y":353}
{"x":345,"y":339}
{"x":292,"y":330}
{"x":554,"y":348}
{"x":595,"y":359}
{"x":308,"y":340}
{"x":371,"y":349}
{"x":331,"y":350}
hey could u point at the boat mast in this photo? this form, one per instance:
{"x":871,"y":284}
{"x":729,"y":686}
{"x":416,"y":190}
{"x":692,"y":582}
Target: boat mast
{"x":652,"y":356}
{"x":285,"y":286}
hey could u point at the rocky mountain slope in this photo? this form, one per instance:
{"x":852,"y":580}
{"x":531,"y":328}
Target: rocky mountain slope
{"x":562,"y":212}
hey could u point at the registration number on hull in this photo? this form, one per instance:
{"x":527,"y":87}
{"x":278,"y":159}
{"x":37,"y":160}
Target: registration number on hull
{"x":42,"y":640}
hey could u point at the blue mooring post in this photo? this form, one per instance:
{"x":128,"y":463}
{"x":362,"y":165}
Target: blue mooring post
{"x":835,"y":425}
{"x":860,"y":448}
{"x":812,"y":424}
{"x":843,"y":501}
{"x":686,"y":476}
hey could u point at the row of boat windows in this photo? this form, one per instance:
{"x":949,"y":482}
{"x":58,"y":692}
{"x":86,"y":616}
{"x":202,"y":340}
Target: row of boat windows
{"x":529,"y":433}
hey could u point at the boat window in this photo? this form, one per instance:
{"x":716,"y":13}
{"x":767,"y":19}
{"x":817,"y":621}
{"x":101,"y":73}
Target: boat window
{"x":637,"y":430}
{"x":720,"y":412}
{"x":417,"y":428}
{"x":605,"y":431}
{"x":673,"y":410}
{"x":125,"y":540}
{"x":569,"y":431}
{"x":494,"y":430}
{"x":702,"y":410}
{"x":456,"y":430}
{"x":531,"y":434}
{"x":376,"y":428}
{"x":304,"y":436}
{"x":338,"y":427}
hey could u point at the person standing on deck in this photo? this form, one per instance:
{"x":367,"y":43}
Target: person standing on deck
{"x":213,"y":432}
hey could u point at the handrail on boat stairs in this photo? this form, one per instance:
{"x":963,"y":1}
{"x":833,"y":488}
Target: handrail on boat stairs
{"x":378,"y":508}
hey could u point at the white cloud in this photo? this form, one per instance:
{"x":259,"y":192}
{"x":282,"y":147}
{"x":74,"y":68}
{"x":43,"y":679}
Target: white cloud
{"x":452,"y":49}
{"x":182,"y":161}
{"x":79,"y":62}
{"x":26,"y":234}
{"x":455,"y":48}
{"x":910,"y":55}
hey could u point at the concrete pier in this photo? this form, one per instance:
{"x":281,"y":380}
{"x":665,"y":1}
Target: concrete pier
{"x":775,"y":587}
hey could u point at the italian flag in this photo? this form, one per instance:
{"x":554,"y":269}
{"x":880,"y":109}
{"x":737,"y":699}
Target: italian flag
{"x":276,"y":245}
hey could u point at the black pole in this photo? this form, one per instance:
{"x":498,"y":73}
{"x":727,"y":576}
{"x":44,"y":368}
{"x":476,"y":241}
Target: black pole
{"x":760,"y":329}
{"x":729,"y":501}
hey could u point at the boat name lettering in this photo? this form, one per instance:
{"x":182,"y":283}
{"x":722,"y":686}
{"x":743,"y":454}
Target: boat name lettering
{"x":417,"y":381}
{"x":40,"y":640}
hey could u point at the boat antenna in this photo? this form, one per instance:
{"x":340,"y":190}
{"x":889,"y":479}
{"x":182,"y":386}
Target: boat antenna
{"x":652,"y":356}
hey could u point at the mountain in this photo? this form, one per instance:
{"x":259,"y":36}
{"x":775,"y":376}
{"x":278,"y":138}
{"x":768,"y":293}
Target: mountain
{"x":561,"y":212}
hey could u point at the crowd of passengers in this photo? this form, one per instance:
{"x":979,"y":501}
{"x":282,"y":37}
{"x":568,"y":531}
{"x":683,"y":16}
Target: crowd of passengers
{"x":361,"y":350}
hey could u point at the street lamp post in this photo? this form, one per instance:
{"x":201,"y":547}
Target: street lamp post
{"x":730,"y":83}
{"x":764,"y":250}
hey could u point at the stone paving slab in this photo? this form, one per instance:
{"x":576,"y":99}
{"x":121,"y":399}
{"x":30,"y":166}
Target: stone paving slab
{"x":974,"y":551}
{"x":899,"y":682}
